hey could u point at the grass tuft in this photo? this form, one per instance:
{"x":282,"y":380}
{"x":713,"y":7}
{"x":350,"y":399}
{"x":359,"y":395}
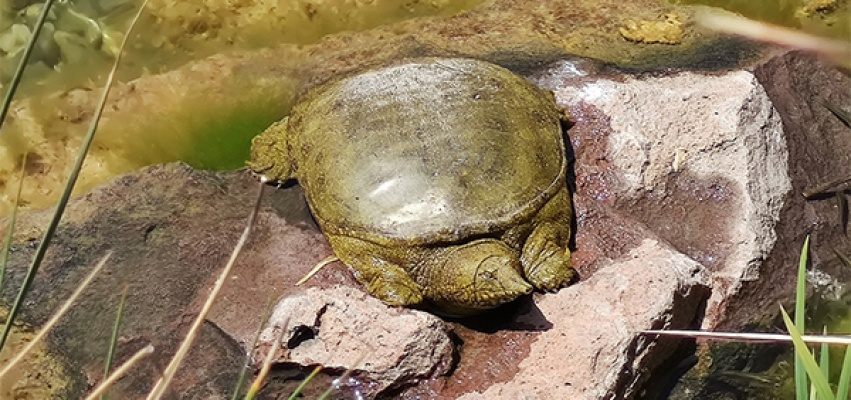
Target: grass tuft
{"x":804,"y":358}
{"x":237,"y":387}
{"x":267,"y":364}
{"x":336,"y":383}
{"x":294,"y":395}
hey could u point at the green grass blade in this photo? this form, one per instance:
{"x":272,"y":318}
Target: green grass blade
{"x":802,"y":353}
{"x":10,"y":228}
{"x":113,"y":340}
{"x":800,"y":309}
{"x":824,"y":357}
{"x":327,"y":393}
{"x":66,"y":193}
{"x":844,"y":376}
{"x":267,"y":364}
{"x":304,"y":383}
{"x":240,"y":380}
{"x":22,"y":64}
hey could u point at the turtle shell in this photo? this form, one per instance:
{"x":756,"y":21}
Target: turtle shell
{"x":429,"y":150}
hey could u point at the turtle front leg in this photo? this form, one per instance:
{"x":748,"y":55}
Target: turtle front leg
{"x":383,"y":279}
{"x":388,"y":282}
{"x":545,"y":256}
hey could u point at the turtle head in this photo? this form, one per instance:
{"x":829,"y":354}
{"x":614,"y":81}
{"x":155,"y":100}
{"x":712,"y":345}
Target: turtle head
{"x":476,"y":276}
{"x":270,"y":156}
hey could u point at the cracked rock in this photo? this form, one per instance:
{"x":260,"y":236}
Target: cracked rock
{"x":343,"y":328}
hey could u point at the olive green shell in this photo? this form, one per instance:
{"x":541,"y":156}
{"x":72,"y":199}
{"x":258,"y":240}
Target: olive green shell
{"x":430,"y":150}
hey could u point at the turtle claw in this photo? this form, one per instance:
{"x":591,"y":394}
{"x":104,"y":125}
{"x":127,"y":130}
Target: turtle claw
{"x":546,"y":264}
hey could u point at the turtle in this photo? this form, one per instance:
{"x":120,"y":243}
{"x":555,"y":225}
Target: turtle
{"x":439,"y":181}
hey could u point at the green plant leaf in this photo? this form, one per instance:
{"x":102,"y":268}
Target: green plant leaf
{"x":240,"y":380}
{"x":824,"y":357}
{"x":844,"y":376}
{"x":113,"y":340}
{"x":802,"y":353}
{"x":304,"y":383}
{"x":800,"y":309}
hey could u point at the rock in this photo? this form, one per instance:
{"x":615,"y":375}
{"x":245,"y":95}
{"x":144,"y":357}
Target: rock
{"x":819,"y":152}
{"x":592,"y":349}
{"x":343,"y":328}
{"x":701,"y":160}
{"x":171,"y":229}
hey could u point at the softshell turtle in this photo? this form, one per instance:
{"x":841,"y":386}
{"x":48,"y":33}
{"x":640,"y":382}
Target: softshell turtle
{"x":435,"y":179}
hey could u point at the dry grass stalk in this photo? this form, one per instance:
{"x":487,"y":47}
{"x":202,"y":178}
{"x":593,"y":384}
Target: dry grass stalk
{"x":836,"y":50}
{"x":119,"y":372}
{"x":55,"y":318}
